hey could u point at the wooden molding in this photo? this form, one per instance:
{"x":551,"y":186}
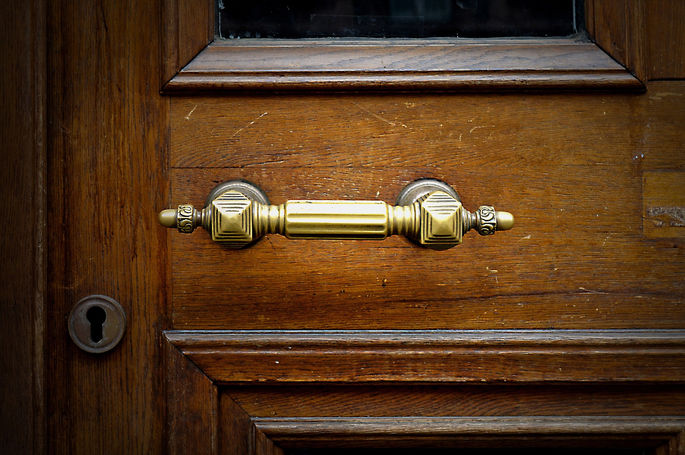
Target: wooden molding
{"x":194,"y":63}
{"x":188,"y":27}
{"x":192,"y":406}
{"x":645,"y":36}
{"x":457,"y":64}
{"x":438,"y":356}
{"x":527,"y":431}
{"x":204,"y":416}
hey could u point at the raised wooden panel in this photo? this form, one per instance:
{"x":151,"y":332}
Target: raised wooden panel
{"x":244,"y":407}
{"x":568,"y":166}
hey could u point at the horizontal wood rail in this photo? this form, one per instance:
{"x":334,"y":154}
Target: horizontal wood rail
{"x":435,"y":356}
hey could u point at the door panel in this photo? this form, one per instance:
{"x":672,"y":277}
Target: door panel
{"x":578,"y":169}
{"x":569,"y":167}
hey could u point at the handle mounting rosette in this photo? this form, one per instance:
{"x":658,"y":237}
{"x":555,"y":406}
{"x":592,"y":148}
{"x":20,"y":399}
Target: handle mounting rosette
{"x":428,"y":212}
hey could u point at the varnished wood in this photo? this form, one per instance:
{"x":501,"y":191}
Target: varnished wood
{"x":391,"y":65}
{"x":236,"y":434}
{"x":626,"y":432}
{"x":188,"y":27}
{"x":435,"y":356}
{"x":647,"y":36}
{"x":459,"y":400}
{"x":192,"y":403}
{"x":568,"y":167}
{"x":663,"y":200}
{"x":590,"y":266}
{"x":608,"y":26}
{"x":23,"y":124}
{"x":106,"y":156}
{"x":666,"y":40}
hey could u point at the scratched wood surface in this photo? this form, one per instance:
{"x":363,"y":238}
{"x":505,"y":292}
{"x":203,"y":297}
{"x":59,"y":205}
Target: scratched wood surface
{"x":568,"y":166}
{"x":664,"y":204}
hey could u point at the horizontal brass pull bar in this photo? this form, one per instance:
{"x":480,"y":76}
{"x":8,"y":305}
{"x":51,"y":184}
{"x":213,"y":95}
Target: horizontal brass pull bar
{"x":429,"y":212}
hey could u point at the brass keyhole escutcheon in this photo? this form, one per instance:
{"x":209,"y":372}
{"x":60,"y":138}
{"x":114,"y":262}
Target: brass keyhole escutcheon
{"x":97,"y":324}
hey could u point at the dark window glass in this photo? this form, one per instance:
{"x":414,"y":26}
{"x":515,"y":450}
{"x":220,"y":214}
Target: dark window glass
{"x":397,"y":18}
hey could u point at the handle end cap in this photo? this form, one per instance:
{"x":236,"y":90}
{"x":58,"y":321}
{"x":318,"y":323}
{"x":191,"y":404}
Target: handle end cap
{"x":167,"y":218}
{"x":505,"y":221}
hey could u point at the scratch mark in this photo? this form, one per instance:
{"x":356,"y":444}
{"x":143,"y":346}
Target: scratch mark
{"x":659,"y":95}
{"x":591,"y":291}
{"x":191,"y":112}
{"x":373,"y":114}
{"x":459,"y":137}
{"x":479,"y":127}
{"x":248,"y":125}
{"x":605,"y":240}
{"x":526,"y":237}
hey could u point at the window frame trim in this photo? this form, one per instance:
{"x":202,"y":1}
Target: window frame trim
{"x":195,"y":62}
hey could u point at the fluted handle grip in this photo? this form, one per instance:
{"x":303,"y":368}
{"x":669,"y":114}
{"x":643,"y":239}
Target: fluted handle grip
{"x":436,"y":219}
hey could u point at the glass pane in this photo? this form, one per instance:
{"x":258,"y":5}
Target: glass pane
{"x":397,"y":18}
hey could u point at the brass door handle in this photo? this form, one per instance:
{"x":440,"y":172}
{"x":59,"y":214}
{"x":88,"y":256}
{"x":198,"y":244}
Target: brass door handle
{"x":428,"y":211}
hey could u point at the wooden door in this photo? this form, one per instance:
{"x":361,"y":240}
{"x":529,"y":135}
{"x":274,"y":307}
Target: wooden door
{"x":564,"y":332}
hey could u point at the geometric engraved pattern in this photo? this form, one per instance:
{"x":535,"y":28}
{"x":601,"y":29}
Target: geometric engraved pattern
{"x":232,"y":219}
{"x":441,"y":225}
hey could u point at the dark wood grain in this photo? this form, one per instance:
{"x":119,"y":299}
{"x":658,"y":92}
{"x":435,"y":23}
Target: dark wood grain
{"x":23,"y":124}
{"x":634,"y":432}
{"x":666,"y":39}
{"x":568,"y":167}
{"x":459,"y":400}
{"x":609,"y":26}
{"x":571,"y":166}
{"x":439,"y":64}
{"x":648,"y":37}
{"x":188,"y":27}
{"x":235,"y":431}
{"x":435,"y":356}
{"x":108,"y":146}
{"x":192,"y":405}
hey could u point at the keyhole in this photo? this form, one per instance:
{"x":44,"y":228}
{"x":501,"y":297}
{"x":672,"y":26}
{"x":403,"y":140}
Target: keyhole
{"x":96,"y":316}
